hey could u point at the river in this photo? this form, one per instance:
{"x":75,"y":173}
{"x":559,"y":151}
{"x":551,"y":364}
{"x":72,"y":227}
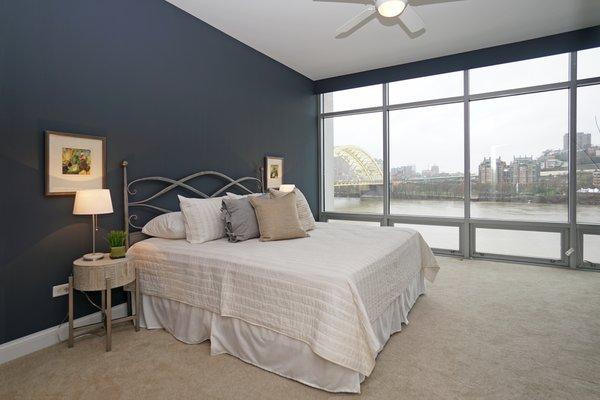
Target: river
{"x":523,"y":243}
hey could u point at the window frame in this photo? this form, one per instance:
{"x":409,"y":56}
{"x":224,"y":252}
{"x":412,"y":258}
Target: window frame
{"x":388,"y":154}
{"x":587,"y":229}
{"x":563,"y":86}
{"x":323,"y":133}
{"x":571,"y":232}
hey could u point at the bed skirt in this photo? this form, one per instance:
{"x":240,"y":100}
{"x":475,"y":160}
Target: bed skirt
{"x":267,"y":349}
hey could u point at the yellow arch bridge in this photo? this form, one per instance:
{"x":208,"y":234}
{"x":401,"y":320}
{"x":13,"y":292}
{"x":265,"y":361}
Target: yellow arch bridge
{"x":364,"y":169}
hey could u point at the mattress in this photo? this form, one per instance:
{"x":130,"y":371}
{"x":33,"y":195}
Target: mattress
{"x":325,"y":290}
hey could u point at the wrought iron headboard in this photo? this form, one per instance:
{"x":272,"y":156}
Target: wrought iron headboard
{"x":128,"y":190}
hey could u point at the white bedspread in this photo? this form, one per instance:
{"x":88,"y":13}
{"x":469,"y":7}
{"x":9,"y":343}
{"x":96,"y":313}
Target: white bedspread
{"x":323,"y":290}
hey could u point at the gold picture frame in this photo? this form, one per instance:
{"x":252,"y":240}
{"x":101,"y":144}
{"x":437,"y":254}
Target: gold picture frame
{"x":74,"y":162}
{"x":273,"y":172}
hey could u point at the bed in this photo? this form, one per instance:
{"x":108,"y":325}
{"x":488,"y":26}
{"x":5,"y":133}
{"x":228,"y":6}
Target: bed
{"x":317,"y":310}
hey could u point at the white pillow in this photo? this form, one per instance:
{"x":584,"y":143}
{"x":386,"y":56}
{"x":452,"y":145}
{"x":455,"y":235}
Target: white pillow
{"x":203,"y":220}
{"x":167,"y":226}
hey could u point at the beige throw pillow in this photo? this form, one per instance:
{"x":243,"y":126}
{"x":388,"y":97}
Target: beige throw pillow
{"x":307,"y":221}
{"x":277,"y":218}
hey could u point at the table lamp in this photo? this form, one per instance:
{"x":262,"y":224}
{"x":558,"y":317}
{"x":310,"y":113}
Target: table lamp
{"x":287,"y":188}
{"x":93,"y":202}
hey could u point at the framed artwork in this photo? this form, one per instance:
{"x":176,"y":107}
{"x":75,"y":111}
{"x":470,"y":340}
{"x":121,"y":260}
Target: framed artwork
{"x":273,"y":171}
{"x":74,"y":162}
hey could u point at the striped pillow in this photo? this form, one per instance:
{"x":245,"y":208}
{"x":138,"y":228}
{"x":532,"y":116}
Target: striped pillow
{"x":203,"y":220}
{"x":307,"y":221}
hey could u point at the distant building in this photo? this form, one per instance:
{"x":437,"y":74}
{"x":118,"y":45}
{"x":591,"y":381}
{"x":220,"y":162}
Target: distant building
{"x":524,"y":171}
{"x":593,"y":151}
{"x":553,"y":163}
{"x":596,"y":179}
{"x":492,"y":174}
{"x":553,"y":159}
{"x":584,"y":140}
{"x":404,"y":172}
{"x":434,"y":171}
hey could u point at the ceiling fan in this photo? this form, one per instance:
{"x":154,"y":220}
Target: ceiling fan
{"x":388,"y":9}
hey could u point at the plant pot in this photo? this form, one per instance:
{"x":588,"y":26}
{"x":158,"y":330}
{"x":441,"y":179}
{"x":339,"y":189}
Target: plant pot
{"x":118,"y":252}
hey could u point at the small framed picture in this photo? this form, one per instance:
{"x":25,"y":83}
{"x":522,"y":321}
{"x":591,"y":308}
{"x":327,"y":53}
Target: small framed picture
{"x":74,"y":162}
{"x":273,"y":171}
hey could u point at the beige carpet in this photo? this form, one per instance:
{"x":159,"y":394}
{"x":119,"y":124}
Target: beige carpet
{"x":484,"y":331}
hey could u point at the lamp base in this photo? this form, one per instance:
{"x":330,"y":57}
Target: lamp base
{"x":93,"y":256}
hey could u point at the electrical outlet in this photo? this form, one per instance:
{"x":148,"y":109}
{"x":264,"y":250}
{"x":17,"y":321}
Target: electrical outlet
{"x":60,"y":290}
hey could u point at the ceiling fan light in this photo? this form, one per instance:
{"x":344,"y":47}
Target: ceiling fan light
{"x":390,"y":8}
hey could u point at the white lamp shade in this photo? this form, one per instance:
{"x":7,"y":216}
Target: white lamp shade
{"x":287,"y":188}
{"x":92,"y":202}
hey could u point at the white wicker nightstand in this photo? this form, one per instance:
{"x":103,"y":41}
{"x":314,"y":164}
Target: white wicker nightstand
{"x":103,"y":275}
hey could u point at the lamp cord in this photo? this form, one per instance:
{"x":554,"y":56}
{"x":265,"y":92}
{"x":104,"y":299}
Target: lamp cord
{"x":60,"y":340}
{"x":92,"y":302}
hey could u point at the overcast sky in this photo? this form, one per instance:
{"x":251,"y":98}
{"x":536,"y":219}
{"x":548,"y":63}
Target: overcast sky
{"x":503,"y":127}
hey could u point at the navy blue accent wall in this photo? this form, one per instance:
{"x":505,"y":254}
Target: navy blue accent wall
{"x":171,"y":94}
{"x":540,"y":47}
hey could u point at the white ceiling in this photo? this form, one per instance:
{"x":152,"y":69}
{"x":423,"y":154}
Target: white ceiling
{"x":301,"y":33}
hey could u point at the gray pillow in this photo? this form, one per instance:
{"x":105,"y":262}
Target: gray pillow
{"x":240,"y":219}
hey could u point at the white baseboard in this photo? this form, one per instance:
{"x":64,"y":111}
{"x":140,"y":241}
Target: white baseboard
{"x":49,"y":337}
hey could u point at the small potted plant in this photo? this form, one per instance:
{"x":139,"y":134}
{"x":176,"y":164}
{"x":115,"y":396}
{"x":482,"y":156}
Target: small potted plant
{"x":116,"y":240}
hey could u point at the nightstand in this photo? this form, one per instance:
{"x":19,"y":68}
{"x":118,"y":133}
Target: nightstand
{"x":103,"y":275}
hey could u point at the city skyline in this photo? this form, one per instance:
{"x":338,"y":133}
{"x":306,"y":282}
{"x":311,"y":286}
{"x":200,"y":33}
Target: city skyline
{"x":549,"y":160}
{"x":404,"y":158}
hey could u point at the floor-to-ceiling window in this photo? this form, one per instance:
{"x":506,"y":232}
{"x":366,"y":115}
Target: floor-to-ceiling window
{"x":588,"y":154}
{"x":480,"y":161}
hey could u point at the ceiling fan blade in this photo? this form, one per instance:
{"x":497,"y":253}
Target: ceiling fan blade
{"x":411,"y":19}
{"x":364,"y":14}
